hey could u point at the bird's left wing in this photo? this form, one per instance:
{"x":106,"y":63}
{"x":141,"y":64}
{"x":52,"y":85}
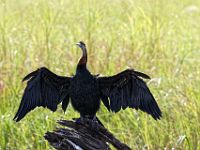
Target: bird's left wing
{"x":44,"y":89}
{"x":127,"y":89}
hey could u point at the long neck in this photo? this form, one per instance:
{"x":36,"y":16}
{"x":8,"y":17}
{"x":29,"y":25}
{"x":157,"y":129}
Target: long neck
{"x":83,"y":60}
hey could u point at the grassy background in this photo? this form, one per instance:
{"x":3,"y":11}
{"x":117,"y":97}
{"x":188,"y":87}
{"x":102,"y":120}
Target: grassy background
{"x":158,"y":37}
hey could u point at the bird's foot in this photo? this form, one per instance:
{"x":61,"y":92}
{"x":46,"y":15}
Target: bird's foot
{"x":91,"y":122}
{"x":79,"y":120}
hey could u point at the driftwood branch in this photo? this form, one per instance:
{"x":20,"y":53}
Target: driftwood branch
{"x":73,"y":136}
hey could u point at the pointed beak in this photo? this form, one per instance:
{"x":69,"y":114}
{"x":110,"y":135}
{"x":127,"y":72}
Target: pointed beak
{"x":79,"y":44}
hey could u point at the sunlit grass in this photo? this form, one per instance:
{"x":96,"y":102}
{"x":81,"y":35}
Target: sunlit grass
{"x":160,"y":38}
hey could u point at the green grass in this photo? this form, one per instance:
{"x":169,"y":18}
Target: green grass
{"x":160,"y":38}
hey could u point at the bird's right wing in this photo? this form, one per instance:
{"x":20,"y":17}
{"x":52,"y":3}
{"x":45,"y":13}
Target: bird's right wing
{"x":127,"y":89}
{"x":44,"y":89}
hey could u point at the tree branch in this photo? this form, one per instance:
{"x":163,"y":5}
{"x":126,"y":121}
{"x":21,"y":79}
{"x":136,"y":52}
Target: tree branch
{"x":73,"y":136}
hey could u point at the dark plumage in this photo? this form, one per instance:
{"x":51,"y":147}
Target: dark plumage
{"x":126,"y":89}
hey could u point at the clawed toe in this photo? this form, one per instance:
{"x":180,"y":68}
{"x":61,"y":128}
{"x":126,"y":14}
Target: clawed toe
{"x":94,"y":124}
{"x":78,"y":120}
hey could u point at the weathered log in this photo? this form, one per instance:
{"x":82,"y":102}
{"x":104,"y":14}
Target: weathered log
{"x":83,"y":136}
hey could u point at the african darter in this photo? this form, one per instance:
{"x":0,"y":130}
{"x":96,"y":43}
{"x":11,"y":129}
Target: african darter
{"x":86,"y":91}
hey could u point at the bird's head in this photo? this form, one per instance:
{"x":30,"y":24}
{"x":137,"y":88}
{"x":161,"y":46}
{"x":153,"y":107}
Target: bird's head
{"x":83,"y":59}
{"x":81,"y":44}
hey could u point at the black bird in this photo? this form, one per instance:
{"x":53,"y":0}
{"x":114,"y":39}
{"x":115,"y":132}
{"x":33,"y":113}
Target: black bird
{"x":125,"y":89}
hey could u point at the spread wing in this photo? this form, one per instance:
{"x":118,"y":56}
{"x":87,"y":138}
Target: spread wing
{"x":44,"y":89}
{"x":127,"y":89}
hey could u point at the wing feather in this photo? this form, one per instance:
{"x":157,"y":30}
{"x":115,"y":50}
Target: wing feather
{"x":127,"y":89}
{"x":43,"y":89}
